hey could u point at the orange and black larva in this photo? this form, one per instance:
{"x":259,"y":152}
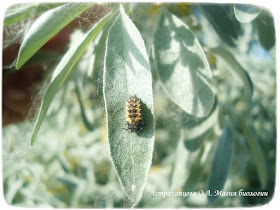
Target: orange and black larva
{"x":133,"y":114}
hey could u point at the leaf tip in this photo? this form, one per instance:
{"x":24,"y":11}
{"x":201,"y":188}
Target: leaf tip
{"x":32,"y":139}
{"x":20,"y":60}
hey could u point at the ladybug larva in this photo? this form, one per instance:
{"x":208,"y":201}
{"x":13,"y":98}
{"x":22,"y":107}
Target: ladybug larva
{"x":133,"y":114}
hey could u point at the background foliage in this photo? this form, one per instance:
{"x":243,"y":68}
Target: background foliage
{"x":206,"y":77}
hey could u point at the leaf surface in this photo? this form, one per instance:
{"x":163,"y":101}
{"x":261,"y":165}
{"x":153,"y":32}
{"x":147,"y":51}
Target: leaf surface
{"x":182,"y":66}
{"x":195,"y":130}
{"x":221,"y":163}
{"x":45,"y":27}
{"x":21,"y":12}
{"x":236,"y":68}
{"x":182,"y":167}
{"x":245,"y":13}
{"x":127,"y":73}
{"x":266,"y":29}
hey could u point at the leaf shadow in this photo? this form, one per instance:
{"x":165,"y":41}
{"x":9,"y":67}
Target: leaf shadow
{"x":133,"y":50}
{"x":148,"y":129}
{"x":165,"y":75}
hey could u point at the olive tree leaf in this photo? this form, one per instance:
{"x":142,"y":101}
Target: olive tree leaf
{"x":266,"y":29}
{"x":236,"y":68}
{"x":45,"y":27}
{"x":182,"y":66}
{"x":226,"y":26}
{"x":61,"y":72}
{"x":221,"y":163}
{"x":245,"y":13}
{"x":19,"y":12}
{"x":127,"y":73}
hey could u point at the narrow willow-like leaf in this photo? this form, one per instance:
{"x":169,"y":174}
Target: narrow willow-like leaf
{"x":257,"y":154}
{"x":182,"y":66}
{"x":62,"y":71}
{"x":99,"y":53}
{"x":266,"y":30}
{"x":127,"y":73}
{"x":181,"y":169}
{"x":221,"y":163}
{"x":249,"y":135}
{"x":245,"y":13}
{"x":46,"y":26}
{"x":85,"y":119}
{"x":194,"y":128}
{"x":235,"y":66}
{"x":226,"y":27}
{"x":21,"y":12}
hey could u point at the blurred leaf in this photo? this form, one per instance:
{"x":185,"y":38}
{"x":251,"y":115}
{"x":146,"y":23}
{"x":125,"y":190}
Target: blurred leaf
{"x":226,"y":26}
{"x":193,"y":127}
{"x":85,"y":119}
{"x":221,"y":163}
{"x":14,"y":185}
{"x":182,"y":66}
{"x":41,"y":197}
{"x":248,"y":133}
{"x":245,"y":13}
{"x":19,"y":12}
{"x":266,"y":30}
{"x":181,"y":168}
{"x":70,"y":182}
{"x":62,"y":71}
{"x":257,"y":154}
{"x":235,"y":66}
{"x":45,"y":27}
{"x":127,"y":73}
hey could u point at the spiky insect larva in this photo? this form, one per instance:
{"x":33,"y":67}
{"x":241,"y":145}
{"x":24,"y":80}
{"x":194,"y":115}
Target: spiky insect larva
{"x":133,"y":114}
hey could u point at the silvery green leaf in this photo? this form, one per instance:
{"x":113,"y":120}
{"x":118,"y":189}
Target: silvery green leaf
{"x":195,"y":129}
{"x":236,"y":68}
{"x":221,"y":163}
{"x":181,"y":168}
{"x":19,"y":12}
{"x":257,"y":155}
{"x":245,"y":13}
{"x":127,"y":73}
{"x":45,"y":27}
{"x":182,"y":66}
